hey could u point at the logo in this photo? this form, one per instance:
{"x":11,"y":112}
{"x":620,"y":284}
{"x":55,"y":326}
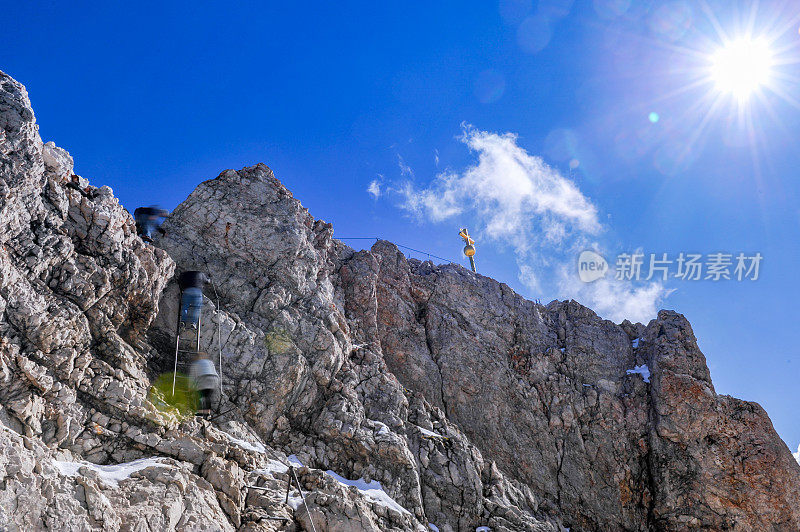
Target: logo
{"x":591,"y":266}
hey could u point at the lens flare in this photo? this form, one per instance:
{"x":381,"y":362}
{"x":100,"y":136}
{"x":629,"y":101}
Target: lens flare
{"x":183,"y":402}
{"x":742,"y":67}
{"x":489,"y":86}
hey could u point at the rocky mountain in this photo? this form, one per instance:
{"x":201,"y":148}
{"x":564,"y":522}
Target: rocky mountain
{"x":405,"y":395}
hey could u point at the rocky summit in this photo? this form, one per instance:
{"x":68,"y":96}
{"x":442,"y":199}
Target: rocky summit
{"x":402,"y":394}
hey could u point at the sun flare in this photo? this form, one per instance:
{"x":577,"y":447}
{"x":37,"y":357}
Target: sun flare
{"x":742,"y":67}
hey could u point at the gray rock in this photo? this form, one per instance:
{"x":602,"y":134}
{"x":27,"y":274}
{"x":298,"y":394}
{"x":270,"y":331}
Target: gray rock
{"x":466,"y":404}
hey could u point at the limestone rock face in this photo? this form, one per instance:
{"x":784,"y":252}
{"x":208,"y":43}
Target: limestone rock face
{"x":400,"y":393}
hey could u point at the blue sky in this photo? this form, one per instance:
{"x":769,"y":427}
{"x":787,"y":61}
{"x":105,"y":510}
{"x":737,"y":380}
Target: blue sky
{"x":545,"y":127}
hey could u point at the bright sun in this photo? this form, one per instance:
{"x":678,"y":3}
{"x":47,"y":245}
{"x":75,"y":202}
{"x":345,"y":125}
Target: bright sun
{"x":742,"y":66}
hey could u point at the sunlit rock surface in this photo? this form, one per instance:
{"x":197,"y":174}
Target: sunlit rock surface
{"x":410,"y":393}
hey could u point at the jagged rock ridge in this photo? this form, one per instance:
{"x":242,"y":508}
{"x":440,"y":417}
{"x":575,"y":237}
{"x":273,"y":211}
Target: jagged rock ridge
{"x":469,"y":405}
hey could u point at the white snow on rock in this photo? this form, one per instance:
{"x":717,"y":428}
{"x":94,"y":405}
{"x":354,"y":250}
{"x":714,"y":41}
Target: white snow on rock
{"x":273,"y":466}
{"x":429,"y":433}
{"x":371,"y":490}
{"x":483,"y":529}
{"x":383,"y":429}
{"x":642,"y":370}
{"x":255,"y":447}
{"x":635,"y":343}
{"x":295,"y":502}
{"x":110,"y":473}
{"x":433,"y":527}
{"x":294,"y":461}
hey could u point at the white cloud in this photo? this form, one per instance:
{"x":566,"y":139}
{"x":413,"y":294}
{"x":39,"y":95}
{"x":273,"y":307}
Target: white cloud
{"x":613,"y":299}
{"x":405,"y":170}
{"x":517,"y":195}
{"x":797,"y":454}
{"x":519,"y":200}
{"x":436,"y":205}
{"x":374,"y":188}
{"x":527,"y":276}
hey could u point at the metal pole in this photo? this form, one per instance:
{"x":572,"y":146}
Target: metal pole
{"x":177,"y":343}
{"x":292,"y":475}
{"x":197,"y":332}
{"x":219,"y":326}
{"x":175,"y":368}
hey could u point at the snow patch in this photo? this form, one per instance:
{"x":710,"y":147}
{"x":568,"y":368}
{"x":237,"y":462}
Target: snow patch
{"x":383,"y":430}
{"x":642,"y":370}
{"x":433,"y":527}
{"x":371,"y":490}
{"x":483,"y":529}
{"x":112,"y":474}
{"x":635,"y":343}
{"x":294,"y":461}
{"x":254,"y":447}
{"x":295,"y":502}
{"x":273,"y":466}
{"x":429,"y":433}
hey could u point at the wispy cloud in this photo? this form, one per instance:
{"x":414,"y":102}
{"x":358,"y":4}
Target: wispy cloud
{"x":521,"y":201}
{"x":528,"y":277}
{"x":374,"y":188}
{"x":405,"y":170}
